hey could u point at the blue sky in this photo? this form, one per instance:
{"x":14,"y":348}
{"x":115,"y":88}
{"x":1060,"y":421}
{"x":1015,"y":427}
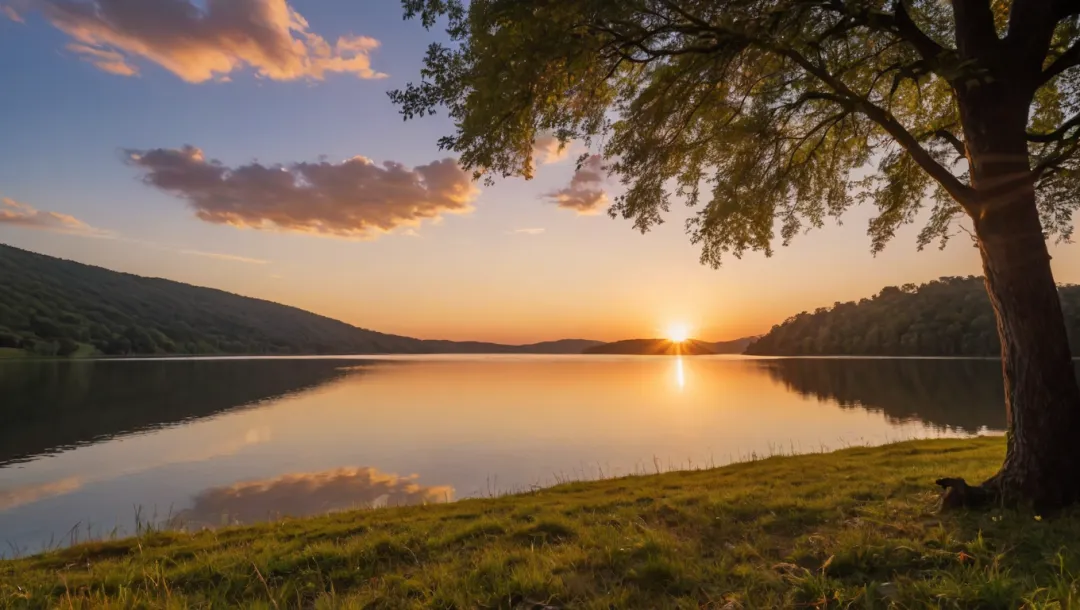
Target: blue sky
{"x":65,"y":122}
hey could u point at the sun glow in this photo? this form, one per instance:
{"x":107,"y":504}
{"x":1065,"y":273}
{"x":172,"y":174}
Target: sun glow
{"x":678,"y":332}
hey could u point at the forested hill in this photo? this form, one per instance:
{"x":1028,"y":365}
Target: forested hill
{"x":951,"y":316}
{"x":51,"y":307}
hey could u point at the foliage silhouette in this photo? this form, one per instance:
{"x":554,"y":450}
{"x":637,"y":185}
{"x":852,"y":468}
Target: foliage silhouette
{"x":951,"y":316}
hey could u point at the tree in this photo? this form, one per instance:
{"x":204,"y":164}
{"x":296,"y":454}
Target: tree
{"x":760,"y":112}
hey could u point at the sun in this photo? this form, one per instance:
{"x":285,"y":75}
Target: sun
{"x":678,"y":332}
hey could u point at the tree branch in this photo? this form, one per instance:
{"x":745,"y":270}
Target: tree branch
{"x":951,"y":138}
{"x":976,"y":34}
{"x":1031,"y":28}
{"x":1056,"y":135}
{"x":1068,"y":59}
{"x":909,"y":31}
{"x":964,"y":194}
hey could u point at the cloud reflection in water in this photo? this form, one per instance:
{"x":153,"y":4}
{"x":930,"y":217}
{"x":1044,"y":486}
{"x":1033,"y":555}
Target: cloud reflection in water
{"x":307,"y":494}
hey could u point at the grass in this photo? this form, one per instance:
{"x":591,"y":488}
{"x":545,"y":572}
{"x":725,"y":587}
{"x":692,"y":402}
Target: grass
{"x":853,"y":529}
{"x":7,"y":353}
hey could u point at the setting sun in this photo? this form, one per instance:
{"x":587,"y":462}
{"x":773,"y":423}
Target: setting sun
{"x":678,"y":332}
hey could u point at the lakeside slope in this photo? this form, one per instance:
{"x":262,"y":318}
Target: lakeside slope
{"x":54,"y":307}
{"x":855,"y":528}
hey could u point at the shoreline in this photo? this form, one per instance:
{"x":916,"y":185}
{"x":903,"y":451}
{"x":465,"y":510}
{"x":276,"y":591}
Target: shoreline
{"x":859,"y":525}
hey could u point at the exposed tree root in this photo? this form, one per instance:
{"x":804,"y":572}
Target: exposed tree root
{"x":959,"y":495}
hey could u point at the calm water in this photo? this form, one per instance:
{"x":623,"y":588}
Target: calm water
{"x":204,"y":442}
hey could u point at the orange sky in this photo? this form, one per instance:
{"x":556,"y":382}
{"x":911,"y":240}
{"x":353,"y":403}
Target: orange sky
{"x":407,"y":245}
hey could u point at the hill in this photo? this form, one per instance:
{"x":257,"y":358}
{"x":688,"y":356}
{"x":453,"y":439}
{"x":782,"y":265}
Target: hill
{"x":951,"y":316}
{"x":652,"y":347}
{"x":54,"y":307}
{"x":736,"y":346}
{"x":562,"y":346}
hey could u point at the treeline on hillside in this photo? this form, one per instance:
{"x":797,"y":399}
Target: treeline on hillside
{"x":53,"y":307}
{"x":951,"y":316}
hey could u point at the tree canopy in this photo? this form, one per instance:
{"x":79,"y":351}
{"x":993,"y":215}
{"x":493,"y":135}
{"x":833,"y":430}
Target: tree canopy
{"x":768,"y":115}
{"x":951,"y":316}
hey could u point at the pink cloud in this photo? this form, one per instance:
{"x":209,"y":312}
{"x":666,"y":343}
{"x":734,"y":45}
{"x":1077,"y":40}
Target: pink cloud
{"x":585,"y":194}
{"x":16,"y":214}
{"x":355,"y":198}
{"x":548,"y":149}
{"x":200,"y":44}
{"x":307,"y":494}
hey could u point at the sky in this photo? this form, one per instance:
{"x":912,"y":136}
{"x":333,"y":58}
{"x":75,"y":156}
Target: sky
{"x":250,"y":146}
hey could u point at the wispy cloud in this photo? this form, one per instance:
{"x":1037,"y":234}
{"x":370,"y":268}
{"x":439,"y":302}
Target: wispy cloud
{"x":585,"y":194}
{"x":536,"y":231}
{"x":353,"y":199}
{"x":226,"y":257}
{"x":222,"y":256}
{"x":17,"y":214}
{"x":10,"y":13}
{"x":112,"y":62}
{"x":201,"y":41}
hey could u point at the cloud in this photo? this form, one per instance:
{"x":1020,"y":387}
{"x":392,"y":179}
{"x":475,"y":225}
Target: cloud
{"x":585,"y":195}
{"x":352,"y":199}
{"x":112,"y":62}
{"x":23,"y":215}
{"x":301,"y":495}
{"x":547,"y":149}
{"x":226,"y":257}
{"x":527,"y":231}
{"x":10,"y":13}
{"x":200,"y":44}
{"x":19,"y":496}
{"x":189,"y":252}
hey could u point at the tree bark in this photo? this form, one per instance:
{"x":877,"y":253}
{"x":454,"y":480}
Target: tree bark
{"x":1042,"y":397}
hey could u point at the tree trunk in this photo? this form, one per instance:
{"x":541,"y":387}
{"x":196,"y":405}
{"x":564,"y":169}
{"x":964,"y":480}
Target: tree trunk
{"x":1042,"y":397}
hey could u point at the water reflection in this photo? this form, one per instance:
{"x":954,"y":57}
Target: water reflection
{"x":962,"y":394}
{"x":51,"y":406}
{"x":467,"y":425}
{"x":18,"y":496}
{"x":301,"y":495}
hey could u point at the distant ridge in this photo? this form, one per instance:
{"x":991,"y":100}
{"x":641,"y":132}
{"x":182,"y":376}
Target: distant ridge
{"x":54,"y":307}
{"x":667,"y":347}
{"x":653,"y":347}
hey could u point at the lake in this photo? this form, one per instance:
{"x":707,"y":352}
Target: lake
{"x":88,"y":448}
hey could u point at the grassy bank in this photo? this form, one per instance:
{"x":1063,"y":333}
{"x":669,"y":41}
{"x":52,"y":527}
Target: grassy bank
{"x":857,"y":528}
